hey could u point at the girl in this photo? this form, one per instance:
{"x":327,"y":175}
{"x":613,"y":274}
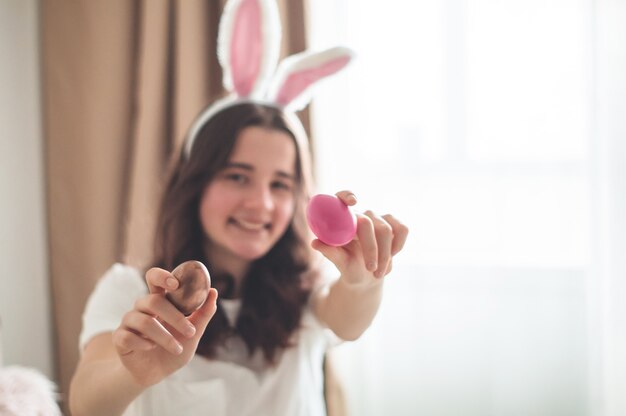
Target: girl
{"x":237,"y":205}
{"x":235,"y":201}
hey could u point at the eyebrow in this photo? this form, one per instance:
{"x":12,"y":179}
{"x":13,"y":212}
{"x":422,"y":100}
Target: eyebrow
{"x":250,"y":168}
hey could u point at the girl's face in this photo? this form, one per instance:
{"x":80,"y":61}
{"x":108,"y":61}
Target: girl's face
{"x":248,"y":205}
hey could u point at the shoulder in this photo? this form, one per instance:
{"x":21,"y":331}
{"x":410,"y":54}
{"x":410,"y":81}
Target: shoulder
{"x":119,"y":282}
{"x":122,"y":274}
{"x":115,"y":294}
{"x":120,"y":285}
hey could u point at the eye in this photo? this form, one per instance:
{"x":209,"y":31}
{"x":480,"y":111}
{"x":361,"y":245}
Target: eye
{"x":236,"y":178}
{"x":281,"y":185}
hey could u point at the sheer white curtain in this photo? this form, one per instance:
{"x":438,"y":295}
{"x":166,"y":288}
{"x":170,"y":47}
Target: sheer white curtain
{"x":609,"y":196}
{"x":495,"y":130}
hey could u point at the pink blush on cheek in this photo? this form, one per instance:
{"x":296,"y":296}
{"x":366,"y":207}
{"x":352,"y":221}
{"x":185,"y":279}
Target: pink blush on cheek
{"x":331,"y":220}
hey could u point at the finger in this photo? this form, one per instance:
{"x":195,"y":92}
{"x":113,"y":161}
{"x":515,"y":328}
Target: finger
{"x":347,"y":197}
{"x":367,"y":239}
{"x":400,"y":233}
{"x":335,"y":254}
{"x":200,"y":318}
{"x":384,"y":238}
{"x":149,"y":327}
{"x":126,"y":341}
{"x":158,"y":306}
{"x":389,"y":268}
{"x":160,"y":280}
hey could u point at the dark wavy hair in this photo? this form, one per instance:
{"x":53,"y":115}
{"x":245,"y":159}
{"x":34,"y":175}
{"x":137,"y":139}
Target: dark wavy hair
{"x":276,"y":288}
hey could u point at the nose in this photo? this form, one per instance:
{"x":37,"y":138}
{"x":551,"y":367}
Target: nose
{"x":259,"y":197}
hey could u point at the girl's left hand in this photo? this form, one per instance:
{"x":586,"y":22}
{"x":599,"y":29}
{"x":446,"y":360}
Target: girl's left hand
{"x":368,"y":257}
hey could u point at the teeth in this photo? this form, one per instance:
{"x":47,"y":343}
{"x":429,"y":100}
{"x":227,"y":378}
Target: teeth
{"x":253,"y":226}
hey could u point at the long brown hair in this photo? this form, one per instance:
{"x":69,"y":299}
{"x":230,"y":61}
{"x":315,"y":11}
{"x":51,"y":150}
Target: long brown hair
{"x":276,"y":288}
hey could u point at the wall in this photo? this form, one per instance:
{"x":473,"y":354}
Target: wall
{"x":24,"y":290}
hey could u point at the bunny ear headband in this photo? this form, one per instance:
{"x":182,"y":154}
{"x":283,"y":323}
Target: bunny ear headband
{"x":248,"y":49}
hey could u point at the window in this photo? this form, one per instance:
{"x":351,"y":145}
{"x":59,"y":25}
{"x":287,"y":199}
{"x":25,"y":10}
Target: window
{"x":470,"y":121}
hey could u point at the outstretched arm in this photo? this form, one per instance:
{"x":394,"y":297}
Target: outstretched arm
{"x":153,"y":340}
{"x":349,"y":304}
{"x":101,"y":384}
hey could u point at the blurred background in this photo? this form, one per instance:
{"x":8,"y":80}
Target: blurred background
{"x":496,"y":130}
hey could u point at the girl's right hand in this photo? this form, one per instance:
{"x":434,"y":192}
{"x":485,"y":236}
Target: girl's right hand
{"x":155,"y":339}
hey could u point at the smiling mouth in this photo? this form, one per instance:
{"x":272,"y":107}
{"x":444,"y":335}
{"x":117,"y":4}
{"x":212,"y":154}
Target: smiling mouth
{"x":251,"y":226}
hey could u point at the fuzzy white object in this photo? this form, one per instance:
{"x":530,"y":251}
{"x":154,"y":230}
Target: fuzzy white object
{"x":248,"y":47}
{"x":26,"y":392}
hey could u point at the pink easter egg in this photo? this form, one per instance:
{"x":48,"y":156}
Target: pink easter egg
{"x":331,"y":220}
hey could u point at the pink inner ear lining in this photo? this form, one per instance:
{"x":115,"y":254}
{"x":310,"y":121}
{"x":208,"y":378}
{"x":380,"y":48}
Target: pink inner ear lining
{"x":298,"y":81}
{"x":246,"y":48}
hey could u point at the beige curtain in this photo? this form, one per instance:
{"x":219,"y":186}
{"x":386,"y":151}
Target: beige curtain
{"x":122,"y":80}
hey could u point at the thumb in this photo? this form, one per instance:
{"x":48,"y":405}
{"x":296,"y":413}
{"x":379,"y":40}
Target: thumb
{"x":335,"y":254}
{"x":200,"y":318}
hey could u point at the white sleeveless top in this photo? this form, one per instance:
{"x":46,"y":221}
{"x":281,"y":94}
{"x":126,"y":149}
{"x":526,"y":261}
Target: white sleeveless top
{"x":233,"y":384}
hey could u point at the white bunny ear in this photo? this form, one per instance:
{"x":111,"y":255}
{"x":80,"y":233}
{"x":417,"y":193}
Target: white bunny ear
{"x":248,"y":45}
{"x":298,"y":73}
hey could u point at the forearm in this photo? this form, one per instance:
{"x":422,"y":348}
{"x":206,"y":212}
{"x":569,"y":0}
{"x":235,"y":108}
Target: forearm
{"x":349,"y":310}
{"x":102,"y":387}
